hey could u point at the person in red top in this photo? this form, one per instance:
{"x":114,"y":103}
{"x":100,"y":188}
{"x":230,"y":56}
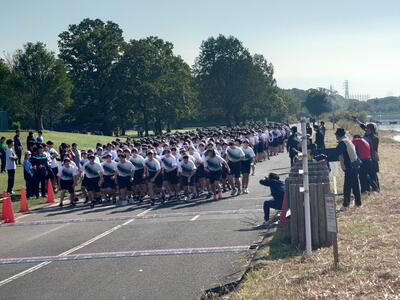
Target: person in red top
{"x":364,"y":154}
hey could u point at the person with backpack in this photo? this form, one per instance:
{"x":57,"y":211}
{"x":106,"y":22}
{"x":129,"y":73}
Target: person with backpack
{"x":350,"y":163}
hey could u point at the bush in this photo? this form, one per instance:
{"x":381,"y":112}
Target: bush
{"x":15,"y":125}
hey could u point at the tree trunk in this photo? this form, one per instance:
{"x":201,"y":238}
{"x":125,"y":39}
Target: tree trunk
{"x":39,"y":121}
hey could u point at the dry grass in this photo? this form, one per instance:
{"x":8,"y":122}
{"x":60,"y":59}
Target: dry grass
{"x":369,"y":252}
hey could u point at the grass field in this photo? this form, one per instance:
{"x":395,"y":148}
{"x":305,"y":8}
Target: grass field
{"x":84,"y":141}
{"x":369,"y":250}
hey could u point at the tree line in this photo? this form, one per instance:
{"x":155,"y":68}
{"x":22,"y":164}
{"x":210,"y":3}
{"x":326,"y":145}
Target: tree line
{"x":100,"y":82}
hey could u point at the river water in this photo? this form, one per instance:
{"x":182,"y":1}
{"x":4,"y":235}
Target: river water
{"x":384,"y":123}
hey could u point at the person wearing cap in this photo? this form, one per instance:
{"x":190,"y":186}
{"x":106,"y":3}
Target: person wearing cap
{"x":371,"y":136}
{"x":187,"y":171}
{"x":110,"y":176}
{"x":234,"y":156}
{"x":139,"y":186}
{"x":152,"y":172}
{"x":125,"y":171}
{"x":67,"y":179}
{"x":28,"y":174}
{"x":213,"y":164}
{"x":94,"y":174}
{"x":246,"y":164}
{"x":350,"y":163}
{"x":169,"y":166}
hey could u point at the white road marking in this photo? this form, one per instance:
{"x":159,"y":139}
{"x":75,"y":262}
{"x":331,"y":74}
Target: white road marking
{"x":194,"y":218}
{"x":43,"y":264}
{"x":46,"y":232}
{"x":145,"y":212}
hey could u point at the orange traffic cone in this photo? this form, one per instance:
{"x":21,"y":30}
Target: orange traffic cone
{"x":23,"y":206}
{"x":282,"y":217}
{"x":7,"y":210}
{"x":50,"y":192}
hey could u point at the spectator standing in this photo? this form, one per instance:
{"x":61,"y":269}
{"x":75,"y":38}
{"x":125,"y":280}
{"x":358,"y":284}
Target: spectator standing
{"x":322,"y":128}
{"x":292,"y":144}
{"x":40,"y":171}
{"x":350,"y":163}
{"x":18,"y":146}
{"x":319,"y":137}
{"x":364,"y":153}
{"x":39,"y":138}
{"x":28,"y":174}
{"x":30,"y":141}
{"x":10,"y":165}
{"x":3,"y":149}
{"x":77,"y":154}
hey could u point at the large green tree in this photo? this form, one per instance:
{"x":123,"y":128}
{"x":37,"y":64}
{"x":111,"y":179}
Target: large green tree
{"x":318,"y":102}
{"x":233,"y":84}
{"x":155,"y":87}
{"x":91,"y":50}
{"x":40,"y":81}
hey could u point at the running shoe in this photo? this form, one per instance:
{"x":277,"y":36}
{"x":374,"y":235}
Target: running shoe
{"x":239,"y":191}
{"x":233,"y":193}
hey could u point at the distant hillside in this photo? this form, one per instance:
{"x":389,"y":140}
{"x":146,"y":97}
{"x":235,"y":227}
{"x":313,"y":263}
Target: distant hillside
{"x":377,"y":105}
{"x":383,"y":105}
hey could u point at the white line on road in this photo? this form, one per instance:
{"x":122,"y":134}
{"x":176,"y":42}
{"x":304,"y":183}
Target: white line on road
{"x":145,"y":212}
{"x":46,"y":232}
{"x":194,"y":218}
{"x":43,"y":264}
{"x":120,"y":254}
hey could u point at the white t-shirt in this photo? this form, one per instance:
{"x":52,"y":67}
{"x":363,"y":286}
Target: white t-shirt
{"x":152,"y":164}
{"x":214,"y":163}
{"x":234,"y":154}
{"x":109,"y":168}
{"x":67,"y":173}
{"x":53,"y":161}
{"x":10,"y":163}
{"x":138,"y":162}
{"x":92,"y":170}
{"x":248,"y":153}
{"x":125,"y":169}
{"x":168,"y":162}
{"x":187,"y":168}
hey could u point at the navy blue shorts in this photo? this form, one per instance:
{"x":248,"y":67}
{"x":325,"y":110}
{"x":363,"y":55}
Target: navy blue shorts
{"x":246,"y":166}
{"x":138,"y":177}
{"x":215,"y":176}
{"x":108,"y":182}
{"x":235,"y":168}
{"x":92,"y":184}
{"x":124,"y":182}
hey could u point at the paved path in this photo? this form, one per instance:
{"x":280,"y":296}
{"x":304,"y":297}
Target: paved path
{"x":173,"y":251}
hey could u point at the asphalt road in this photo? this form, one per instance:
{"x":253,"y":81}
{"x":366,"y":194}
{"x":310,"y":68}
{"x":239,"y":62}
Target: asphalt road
{"x":173,"y":251}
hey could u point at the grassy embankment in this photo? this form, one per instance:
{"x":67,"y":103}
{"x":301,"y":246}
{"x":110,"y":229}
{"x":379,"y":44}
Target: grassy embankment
{"x":369,"y":249}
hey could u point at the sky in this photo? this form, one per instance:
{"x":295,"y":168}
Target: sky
{"x":311,"y":43}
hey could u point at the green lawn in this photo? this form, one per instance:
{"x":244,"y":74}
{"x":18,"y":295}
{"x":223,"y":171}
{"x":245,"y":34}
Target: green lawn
{"x":84,"y":141}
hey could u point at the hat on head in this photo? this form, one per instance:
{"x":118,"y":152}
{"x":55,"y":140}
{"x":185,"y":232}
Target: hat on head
{"x":340,"y":132}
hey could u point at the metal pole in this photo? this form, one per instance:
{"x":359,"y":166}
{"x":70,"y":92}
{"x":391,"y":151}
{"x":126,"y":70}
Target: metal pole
{"x":306,"y":187}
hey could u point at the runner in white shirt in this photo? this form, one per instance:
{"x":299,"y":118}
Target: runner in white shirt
{"x":94,"y":179}
{"x":246,"y":164}
{"x":169,"y":167}
{"x":153,"y":175}
{"x":213,"y":164}
{"x":110,"y":175}
{"x":187,"y":171}
{"x":67,"y":179}
{"x":124,"y":178}
{"x":139,"y":184}
{"x":234,"y":156}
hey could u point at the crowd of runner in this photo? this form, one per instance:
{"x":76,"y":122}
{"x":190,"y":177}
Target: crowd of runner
{"x":175,"y":165}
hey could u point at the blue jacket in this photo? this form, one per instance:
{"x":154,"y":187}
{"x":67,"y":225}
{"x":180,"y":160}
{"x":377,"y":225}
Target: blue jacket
{"x":277,"y":188}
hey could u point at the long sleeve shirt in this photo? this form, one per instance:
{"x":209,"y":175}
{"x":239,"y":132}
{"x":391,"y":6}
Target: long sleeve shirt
{"x":277,"y":188}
